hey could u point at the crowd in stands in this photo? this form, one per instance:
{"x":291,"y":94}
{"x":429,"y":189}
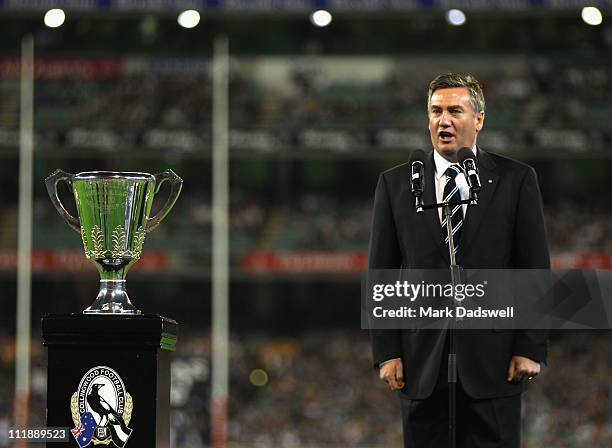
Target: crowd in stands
{"x":311,"y":222}
{"x":572,"y":227}
{"x":535,"y":93}
{"x":129,"y":103}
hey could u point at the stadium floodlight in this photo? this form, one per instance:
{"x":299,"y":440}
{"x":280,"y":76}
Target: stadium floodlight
{"x":55,"y":18}
{"x":455,"y":17}
{"x":321,"y":18}
{"x":591,"y":15}
{"x":189,"y":18}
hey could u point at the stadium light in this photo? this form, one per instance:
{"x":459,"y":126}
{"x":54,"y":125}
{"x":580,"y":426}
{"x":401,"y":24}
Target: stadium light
{"x":189,"y":18}
{"x":455,"y":17}
{"x":55,"y":18}
{"x":591,"y":15}
{"x":321,"y":18}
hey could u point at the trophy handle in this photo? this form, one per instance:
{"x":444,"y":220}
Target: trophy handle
{"x":176,"y":183}
{"x":51,"y":182}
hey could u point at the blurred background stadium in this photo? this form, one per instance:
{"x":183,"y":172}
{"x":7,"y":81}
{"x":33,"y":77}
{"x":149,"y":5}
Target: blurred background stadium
{"x":315,"y":113}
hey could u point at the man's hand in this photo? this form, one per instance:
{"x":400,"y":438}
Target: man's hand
{"x":521,"y":367}
{"x":393,"y":373}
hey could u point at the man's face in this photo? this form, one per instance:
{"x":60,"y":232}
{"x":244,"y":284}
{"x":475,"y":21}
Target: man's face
{"x":453,"y":123}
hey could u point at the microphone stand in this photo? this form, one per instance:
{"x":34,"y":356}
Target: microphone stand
{"x":455,"y":272}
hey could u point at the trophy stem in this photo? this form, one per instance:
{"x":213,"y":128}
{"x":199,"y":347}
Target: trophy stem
{"x":112,"y":299}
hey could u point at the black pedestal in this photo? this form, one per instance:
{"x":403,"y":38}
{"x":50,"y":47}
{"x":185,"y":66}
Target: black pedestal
{"x":109,"y":378}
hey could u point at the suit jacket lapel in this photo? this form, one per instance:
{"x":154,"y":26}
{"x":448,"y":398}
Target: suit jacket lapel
{"x":431,"y":215}
{"x":475,"y":213}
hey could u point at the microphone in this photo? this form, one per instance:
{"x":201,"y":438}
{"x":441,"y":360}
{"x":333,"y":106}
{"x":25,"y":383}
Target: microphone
{"x":417,"y":169}
{"x":417,"y":177}
{"x":466,"y":159}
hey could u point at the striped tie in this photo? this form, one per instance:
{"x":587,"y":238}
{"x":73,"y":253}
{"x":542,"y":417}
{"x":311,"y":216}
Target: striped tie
{"x":452,"y":195}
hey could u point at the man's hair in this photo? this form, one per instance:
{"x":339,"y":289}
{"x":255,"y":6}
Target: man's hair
{"x":449,"y":80}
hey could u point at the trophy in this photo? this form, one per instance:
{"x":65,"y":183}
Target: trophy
{"x":113,"y":209}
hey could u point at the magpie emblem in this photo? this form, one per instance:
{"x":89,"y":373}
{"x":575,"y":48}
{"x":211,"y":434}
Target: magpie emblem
{"x":101,"y":409}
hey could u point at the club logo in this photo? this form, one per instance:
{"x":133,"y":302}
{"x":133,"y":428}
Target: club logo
{"x":101,"y":409}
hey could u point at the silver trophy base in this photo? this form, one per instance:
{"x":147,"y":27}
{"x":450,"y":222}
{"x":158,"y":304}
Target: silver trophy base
{"x":112,"y":299}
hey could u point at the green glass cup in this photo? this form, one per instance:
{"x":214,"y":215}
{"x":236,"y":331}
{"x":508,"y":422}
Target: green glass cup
{"x":114,"y":217}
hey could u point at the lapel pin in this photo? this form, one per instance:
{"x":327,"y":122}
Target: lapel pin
{"x":490,"y":181}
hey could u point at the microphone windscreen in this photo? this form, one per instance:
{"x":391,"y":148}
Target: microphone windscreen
{"x":418,"y":155}
{"x":463,"y":154}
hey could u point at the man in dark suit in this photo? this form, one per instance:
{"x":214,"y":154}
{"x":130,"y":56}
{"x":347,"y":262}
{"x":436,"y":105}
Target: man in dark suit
{"x":504,"y":231}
